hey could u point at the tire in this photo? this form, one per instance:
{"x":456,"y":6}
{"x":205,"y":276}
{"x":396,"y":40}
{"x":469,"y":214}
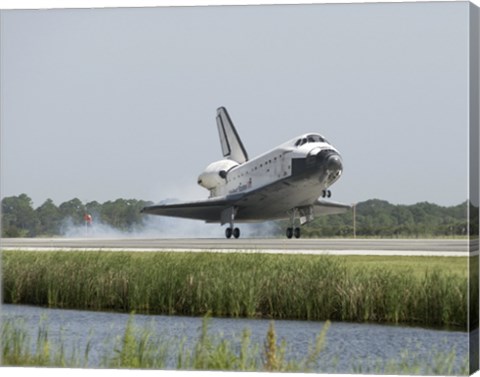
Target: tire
{"x":289,"y":232}
{"x":228,"y":232}
{"x":236,"y":232}
{"x":296,"y":232}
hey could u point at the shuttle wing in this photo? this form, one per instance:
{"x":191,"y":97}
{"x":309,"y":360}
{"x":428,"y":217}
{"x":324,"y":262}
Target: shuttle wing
{"x":324,"y":207}
{"x":232,"y":146}
{"x":209,"y":210}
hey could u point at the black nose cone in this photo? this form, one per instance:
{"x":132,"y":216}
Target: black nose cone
{"x":334,"y":163}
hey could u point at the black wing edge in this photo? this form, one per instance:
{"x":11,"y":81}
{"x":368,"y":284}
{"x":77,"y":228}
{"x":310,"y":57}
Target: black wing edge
{"x":324,"y":207}
{"x":208,"y":210}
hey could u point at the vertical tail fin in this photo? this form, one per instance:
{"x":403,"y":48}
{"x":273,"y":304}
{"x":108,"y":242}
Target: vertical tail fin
{"x":232,"y":147}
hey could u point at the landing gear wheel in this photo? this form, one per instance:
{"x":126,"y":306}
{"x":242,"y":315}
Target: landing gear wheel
{"x":236,"y":232}
{"x":289,"y":232}
{"x":296,"y":232}
{"x":228,"y":232}
{"x":329,"y":194}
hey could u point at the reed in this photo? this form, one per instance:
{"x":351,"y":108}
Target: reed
{"x":142,"y":347}
{"x":241,"y":285}
{"x":19,"y":349}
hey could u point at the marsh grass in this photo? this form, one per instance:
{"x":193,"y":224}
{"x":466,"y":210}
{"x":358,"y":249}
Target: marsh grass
{"x":440,"y":363}
{"x":426,"y":291}
{"x":143,"y":347}
{"x":19,"y":349}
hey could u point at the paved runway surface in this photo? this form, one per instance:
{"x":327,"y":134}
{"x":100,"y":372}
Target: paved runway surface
{"x":435,"y":247}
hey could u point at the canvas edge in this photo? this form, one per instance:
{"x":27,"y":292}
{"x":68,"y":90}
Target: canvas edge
{"x":473,"y":189}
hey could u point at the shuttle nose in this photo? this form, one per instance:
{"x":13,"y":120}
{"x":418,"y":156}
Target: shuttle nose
{"x":334,"y":163}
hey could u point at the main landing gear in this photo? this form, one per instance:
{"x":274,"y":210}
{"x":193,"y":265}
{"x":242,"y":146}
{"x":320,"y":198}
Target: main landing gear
{"x":293,"y":232}
{"x":228,"y":217}
{"x":230,"y":231}
{"x":326,"y":194}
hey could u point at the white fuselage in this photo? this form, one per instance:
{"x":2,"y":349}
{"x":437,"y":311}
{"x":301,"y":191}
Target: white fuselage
{"x":294,"y":162}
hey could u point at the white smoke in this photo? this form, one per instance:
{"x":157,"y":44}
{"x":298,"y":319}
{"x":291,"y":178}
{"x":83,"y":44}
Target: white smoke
{"x":96,"y":230}
{"x":165,"y":227}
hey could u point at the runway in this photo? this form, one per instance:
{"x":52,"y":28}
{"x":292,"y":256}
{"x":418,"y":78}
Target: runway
{"x":384,"y":247}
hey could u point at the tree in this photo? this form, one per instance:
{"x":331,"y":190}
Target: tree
{"x":73,"y":210}
{"x":123,"y":214}
{"x":18,"y":217}
{"x":49,"y":218}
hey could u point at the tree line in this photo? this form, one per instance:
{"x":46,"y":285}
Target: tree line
{"x":373,"y":218}
{"x":379,"y":218}
{"x":20,"y":219}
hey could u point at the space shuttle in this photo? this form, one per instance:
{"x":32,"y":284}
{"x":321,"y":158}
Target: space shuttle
{"x":291,"y":181}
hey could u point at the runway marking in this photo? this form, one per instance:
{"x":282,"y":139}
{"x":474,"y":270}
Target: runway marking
{"x":387,"y":253}
{"x":345,"y":247}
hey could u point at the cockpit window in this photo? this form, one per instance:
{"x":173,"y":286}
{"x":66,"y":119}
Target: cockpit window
{"x":315,"y":139}
{"x":310,"y":139}
{"x":300,"y":142}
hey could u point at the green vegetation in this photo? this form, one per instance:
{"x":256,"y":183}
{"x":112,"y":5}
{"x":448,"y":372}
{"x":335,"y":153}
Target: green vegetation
{"x":427,"y":291}
{"x":20,"y":219}
{"x":379,"y":218}
{"x":374,"y":218}
{"x":144,"y":348}
{"x":18,"y":349}
{"x":414,"y":265}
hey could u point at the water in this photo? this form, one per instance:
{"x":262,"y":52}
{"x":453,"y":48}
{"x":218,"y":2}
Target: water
{"x":350,"y":347}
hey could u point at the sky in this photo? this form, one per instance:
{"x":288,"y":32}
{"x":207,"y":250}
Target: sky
{"x":99,"y":104}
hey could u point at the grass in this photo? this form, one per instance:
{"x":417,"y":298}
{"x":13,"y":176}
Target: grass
{"x":18,"y":349}
{"x":408,"y":264}
{"x":143,"y":348}
{"x":412,"y":290}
